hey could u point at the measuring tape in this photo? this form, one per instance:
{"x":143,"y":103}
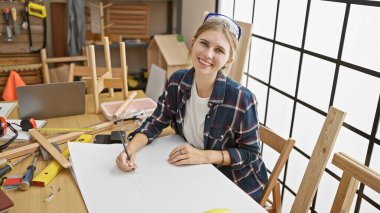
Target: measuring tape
{"x":49,"y":173}
{"x":65,"y":129}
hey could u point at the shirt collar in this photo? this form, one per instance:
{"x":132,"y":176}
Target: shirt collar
{"x":218,"y":93}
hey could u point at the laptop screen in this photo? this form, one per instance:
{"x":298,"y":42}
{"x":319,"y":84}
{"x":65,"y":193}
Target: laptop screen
{"x":42,"y":101}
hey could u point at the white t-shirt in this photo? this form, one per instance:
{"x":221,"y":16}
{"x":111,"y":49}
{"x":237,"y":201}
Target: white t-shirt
{"x":194,"y":121}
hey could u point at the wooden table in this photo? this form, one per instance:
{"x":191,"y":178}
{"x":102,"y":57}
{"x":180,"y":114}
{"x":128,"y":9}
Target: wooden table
{"x":67,"y":197}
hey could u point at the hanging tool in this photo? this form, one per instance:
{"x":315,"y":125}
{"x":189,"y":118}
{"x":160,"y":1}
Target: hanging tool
{"x":37,"y":10}
{"x":27,"y":179}
{"x":3,"y":162}
{"x":16,"y":28}
{"x":24,"y":14}
{"x":7,"y":22}
{"x":7,"y":168}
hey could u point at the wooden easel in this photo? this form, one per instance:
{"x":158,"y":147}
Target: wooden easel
{"x":106,"y":80}
{"x":101,"y":16}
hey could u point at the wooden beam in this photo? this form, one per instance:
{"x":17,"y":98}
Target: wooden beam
{"x":318,"y":160}
{"x":50,"y":148}
{"x":358,"y":170}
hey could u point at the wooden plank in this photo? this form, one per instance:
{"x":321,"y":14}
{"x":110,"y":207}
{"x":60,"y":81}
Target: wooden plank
{"x":123,"y":15}
{"x":50,"y":148}
{"x":357,"y":170}
{"x":124,"y":105}
{"x":345,"y":194}
{"x":318,"y":160}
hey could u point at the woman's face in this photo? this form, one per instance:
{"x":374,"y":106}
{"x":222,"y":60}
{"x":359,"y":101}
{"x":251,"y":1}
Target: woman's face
{"x":210,"y":52}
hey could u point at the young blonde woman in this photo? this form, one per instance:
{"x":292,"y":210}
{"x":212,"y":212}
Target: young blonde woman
{"x":216,"y":116}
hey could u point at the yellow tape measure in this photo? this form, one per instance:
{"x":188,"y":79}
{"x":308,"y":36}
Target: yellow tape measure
{"x":65,"y":129}
{"x":49,"y":173}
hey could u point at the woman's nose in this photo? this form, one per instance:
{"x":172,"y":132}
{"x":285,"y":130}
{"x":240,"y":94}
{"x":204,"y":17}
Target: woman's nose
{"x":209,"y":53}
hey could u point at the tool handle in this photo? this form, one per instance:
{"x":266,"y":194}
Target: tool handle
{"x":3,"y":162}
{"x":27,"y":179}
{"x":7,"y":168}
{"x":14,"y":14}
{"x":6,"y":15}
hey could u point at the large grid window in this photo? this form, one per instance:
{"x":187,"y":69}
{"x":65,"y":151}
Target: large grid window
{"x":306,"y":56}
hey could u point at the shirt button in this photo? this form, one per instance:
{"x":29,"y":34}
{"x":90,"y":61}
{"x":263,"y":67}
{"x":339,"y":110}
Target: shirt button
{"x":207,"y":116}
{"x":221,"y":136}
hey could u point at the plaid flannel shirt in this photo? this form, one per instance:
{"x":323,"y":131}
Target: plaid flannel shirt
{"x":231,"y":124}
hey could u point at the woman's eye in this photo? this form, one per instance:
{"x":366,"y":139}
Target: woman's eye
{"x":220,"y":51}
{"x":204,"y":43}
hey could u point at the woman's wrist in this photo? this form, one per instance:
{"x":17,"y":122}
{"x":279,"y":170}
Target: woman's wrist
{"x":216,"y":157}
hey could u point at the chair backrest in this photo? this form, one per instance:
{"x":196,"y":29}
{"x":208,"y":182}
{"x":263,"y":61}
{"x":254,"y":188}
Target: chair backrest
{"x":70,"y":59}
{"x":241,"y":60}
{"x":283,"y":147}
{"x":353,"y":173}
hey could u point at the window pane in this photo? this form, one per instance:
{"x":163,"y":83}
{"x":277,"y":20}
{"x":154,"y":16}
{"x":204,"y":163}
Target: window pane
{"x":296,"y":170}
{"x":288,"y":201}
{"x":279,"y":118}
{"x":243,"y":10}
{"x":316,"y":80}
{"x":357,"y":94}
{"x":285,"y":69}
{"x":291,"y":22}
{"x":367,"y":207}
{"x":326,"y":193}
{"x":226,"y":7}
{"x":264,"y":18}
{"x":362,"y":43}
{"x":259,"y":63}
{"x":306,"y":129}
{"x":325,"y":27}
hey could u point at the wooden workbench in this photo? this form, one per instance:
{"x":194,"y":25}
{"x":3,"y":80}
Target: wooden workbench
{"x":67,"y":197}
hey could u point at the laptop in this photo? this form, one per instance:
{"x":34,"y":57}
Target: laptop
{"x":42,"y":101}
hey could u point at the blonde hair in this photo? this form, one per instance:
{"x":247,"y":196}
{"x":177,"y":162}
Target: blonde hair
{"x":222,"y":26}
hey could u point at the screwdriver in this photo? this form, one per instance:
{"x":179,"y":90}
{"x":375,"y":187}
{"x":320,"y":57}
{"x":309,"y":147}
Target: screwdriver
{"x":7,"y":168}
{"x":27,"y":179}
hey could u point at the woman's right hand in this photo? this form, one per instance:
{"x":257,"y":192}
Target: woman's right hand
{"x":124,"y":164}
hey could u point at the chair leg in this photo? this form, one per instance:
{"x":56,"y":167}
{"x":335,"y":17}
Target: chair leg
{"x":276,"y":198}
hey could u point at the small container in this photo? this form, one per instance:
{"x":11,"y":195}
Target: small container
{"x":147,"y":105}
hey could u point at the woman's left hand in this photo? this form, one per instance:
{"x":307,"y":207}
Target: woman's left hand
{"x":187,"y":155}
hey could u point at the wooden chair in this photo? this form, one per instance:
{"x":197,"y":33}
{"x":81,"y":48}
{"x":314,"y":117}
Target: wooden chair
{"x":283,"y":147}
{"x":106,"y":79}
{"x":353,"y":173}
{"x":69,"y":59}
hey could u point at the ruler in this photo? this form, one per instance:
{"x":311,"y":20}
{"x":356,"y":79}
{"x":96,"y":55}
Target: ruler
{"x":49,"y":173}
{"x":45,"y":129}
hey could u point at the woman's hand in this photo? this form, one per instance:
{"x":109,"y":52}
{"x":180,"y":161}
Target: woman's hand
{"x":187,"y":155}
{"x":124,"y":164}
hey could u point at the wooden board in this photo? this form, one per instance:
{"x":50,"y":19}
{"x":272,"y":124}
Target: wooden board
{"x":130,"y":20}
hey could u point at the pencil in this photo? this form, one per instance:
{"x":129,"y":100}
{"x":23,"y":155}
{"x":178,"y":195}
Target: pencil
{"x":126,"y":151}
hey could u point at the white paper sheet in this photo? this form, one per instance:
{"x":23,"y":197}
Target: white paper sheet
{"x":156,"y":185}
